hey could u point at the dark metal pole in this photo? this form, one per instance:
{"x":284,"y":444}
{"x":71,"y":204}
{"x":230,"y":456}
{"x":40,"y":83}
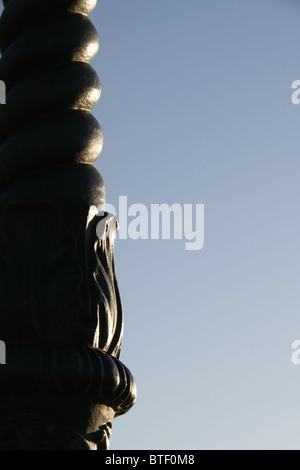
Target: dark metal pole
{"x":60,"y":311}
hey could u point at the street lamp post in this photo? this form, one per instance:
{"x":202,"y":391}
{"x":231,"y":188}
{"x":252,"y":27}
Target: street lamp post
{"x":60,"y":311}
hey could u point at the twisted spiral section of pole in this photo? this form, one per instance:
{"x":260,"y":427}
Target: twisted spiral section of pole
{"x":46,"y":48}
{"x":49,"y":189}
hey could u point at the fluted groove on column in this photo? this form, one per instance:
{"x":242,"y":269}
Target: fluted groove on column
{"x":60,"y":310}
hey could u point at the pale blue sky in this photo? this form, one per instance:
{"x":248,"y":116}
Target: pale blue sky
{"x":196,"y":108}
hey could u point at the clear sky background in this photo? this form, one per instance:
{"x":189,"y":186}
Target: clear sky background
{"x":196,"y":109}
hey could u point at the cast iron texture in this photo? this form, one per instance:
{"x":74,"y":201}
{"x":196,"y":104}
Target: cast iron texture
{"x":60,"y":310}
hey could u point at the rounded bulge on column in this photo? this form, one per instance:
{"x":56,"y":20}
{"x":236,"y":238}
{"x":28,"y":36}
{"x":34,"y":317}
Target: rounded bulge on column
{"x":18,"y":14}
{"x":53,"y":156}
{"x":46,"y":128}
{"x":65,"y":37}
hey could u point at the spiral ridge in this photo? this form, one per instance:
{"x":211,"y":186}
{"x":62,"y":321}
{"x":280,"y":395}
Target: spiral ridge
{"x":46,"y":48}
{"x":60,"y":308}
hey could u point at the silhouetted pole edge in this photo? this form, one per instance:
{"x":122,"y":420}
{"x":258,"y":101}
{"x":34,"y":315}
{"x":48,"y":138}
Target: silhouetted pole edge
{"x":60,"y":310}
